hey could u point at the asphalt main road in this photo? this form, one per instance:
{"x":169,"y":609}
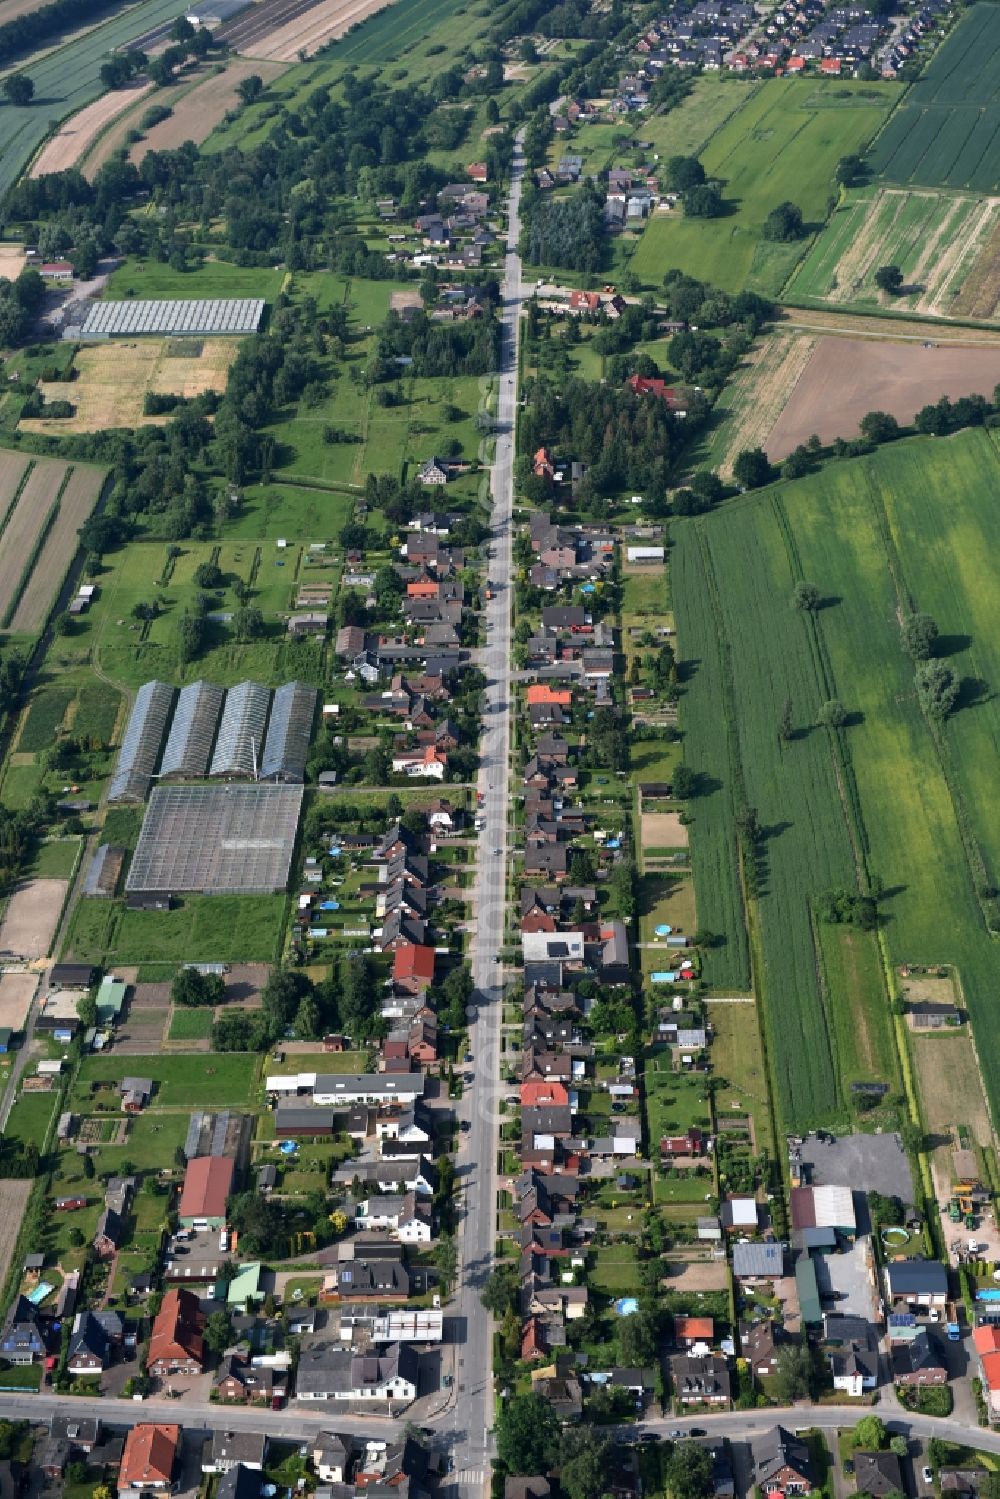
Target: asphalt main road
{"x":468,"y":1423}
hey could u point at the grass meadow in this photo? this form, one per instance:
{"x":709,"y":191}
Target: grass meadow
{"x":199,"y":929}
{"x":784,"y":143}
{"x":876,"y":537}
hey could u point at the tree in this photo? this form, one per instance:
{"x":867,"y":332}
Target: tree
{"x":832,"y":714}
{"x":785,"y":722}
{"x":248,"y":624}
{"x":218,"y":1332}
{"x":501,"y":1289}
{"x":689,"y":1471}
{"x":870,"y":1434}
{"x":683,"y":172}
{"x":889,"y":278}
{"x":703,"y":202}
{"x":250,"y":88}
{"x":685,"y":783}
{"x":849,"y":169}
{"x":752,"y":469}
{"x":899,"y":1446}
{"x":193,"y":989}
{"x":190,"y":635}
{"x":638,"y":1340}
{"x":937,"y":688}
{"x":207,"y":575}
{"x":582,"y":1461}
{"x":784,"y":223}
{"x":790,"y":1381}
{"x":527,"y":1433}
{"x":879,"y":426}
{"x":920,"y":633}
{"x":18,"y":89}
{"x":806,"y":596}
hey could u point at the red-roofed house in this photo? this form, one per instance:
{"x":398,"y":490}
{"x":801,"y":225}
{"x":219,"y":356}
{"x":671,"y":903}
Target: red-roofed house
{"x":540,"y":1093}
{"x":56,"y":270}
{"x":830,"y":66}
{"x":542,"y":464}
{"x":691,"y":1330}
{"x":541,"y":692}
{"x":413,"y":968}
{"x":584,"y":301}
{"x":208,"y":1182}
{"x":533,"y":1344}
{"x":176,"y":1342}
{"x":477,"y":170}
{"x":989,"y":1368}
{"x":683,"y":1148}
{"x":796,"y":65}
{"x":428,"y":761}
{"x":149,"y":1458}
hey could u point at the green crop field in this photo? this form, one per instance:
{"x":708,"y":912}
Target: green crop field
{"x":66,"y":79}
{"x":860,"y":531}
{"x":783,"y":144}
{"x":946,"y":132}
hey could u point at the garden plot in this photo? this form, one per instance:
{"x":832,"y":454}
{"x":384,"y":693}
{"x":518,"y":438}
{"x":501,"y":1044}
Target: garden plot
{"x":846,"y":378}
{"x":32,"y":915}
{"x":950,"y":1085}
{"x":112,"y":381}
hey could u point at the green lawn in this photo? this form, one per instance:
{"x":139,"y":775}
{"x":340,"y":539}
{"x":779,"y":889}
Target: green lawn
{"x":30,"y":1117}
{"x":200,"y":928}
{"x":54,"y":859}
{"x":615,"y":1271}
{"x":215,"y":1080}
{"x":190,"y":1025}
{"x":784,"y":143}
{"x":214,"y":278}
{"x":906,"y":527}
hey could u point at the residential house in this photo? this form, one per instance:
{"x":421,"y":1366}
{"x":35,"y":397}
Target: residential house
{"x":176,"y":1342}
{"x":108,"y":1234}
{"x":854,"y":1369}
{"x":780,"y":1463}
{"x":238,"y":1381}
{"x":88,"y":1345}
{"x":878,"y":1474}
{"x":334,"y":1374}
{"x":229,"y":1448}
{"x":149,"y":1459}
{"x":757,"y":1262}
{"x":917,"y":1362}
{"x":758,"y":1342}
{"x":21,"y":1341}
{"x":689,"y":1332}
{"x":701,"y":1379}
{"x":917,"y":1282}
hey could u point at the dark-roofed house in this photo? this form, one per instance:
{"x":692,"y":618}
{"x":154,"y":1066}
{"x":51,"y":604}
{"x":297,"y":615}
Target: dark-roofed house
{"x":108,"y":1233}
{"x":239,"y":1482}
{"x":88,"y":1345}
{"x":878,"y":1474}
{"x":526,"y":1488}
{"x":701,"y":1379}
{"x":917,"y":1282}
{"x":917,"y":1363}
{"x":781,"y":1463}
{"x":21,"y":1341}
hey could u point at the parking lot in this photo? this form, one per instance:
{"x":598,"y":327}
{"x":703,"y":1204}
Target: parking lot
{"x":846,"y":1277}
{"x":865,"y":1163}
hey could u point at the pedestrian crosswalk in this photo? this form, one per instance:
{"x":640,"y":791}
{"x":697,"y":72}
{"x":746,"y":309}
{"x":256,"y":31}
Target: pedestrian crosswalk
{"x":470,"y":1478}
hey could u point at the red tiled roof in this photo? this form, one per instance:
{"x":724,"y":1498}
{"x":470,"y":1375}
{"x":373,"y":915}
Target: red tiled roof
{"x":149,"y":1456}
{"x":413,"y":961}
{"x":177,"y":1330}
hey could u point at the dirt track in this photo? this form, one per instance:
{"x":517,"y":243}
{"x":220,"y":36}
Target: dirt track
{"x":846,"y":378}
{"x":861,"y":325}
{"x":31,"y":917}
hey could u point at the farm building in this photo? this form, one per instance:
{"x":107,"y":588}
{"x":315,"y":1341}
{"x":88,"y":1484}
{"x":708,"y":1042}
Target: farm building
{"x":208,"y":1181}
{"x":142,"y":743}
{"x":757,"y":1261}
{"x":72,"y":975}
{"x":105,"y":871}
{"x":216,"y":839}
{"x":175,"y":319}
{"x":110,"y":1001}
{"x":824,"y":1207}
{"x":644,"y":555}
{"x":192,"y":732}
{"x":288,"y":733}
{"x":241,"y":733}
